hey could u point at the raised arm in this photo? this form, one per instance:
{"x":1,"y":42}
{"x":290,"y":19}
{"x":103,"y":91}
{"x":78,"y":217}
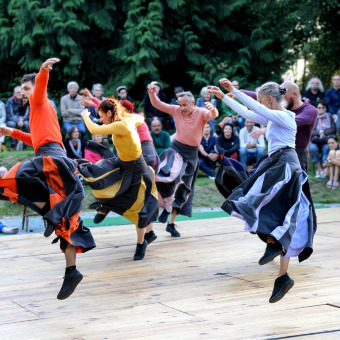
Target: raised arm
{"x":158,"y":104}
{"x":276,"y":116}
{"x":115,"y":128}
{"x":237,"y":107}
{"x":39,"y":93}
{"x":17,"y":134}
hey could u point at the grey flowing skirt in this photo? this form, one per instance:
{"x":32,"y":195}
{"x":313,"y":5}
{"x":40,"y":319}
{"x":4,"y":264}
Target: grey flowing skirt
{"x":272,"y":202}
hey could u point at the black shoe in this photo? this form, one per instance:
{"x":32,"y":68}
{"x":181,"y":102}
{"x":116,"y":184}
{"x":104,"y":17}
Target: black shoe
{"x":70,"y":283}
{"x":163,"y":217}
{"x":281,"y":286}
{"x":150,"y":236}
{"x":170,"y":228}
{"x":95,"y":205}
{"x":100,"y":216}
{"x":49,"y":229}
{"x":140,"y":251}
{"x":272,"y":250}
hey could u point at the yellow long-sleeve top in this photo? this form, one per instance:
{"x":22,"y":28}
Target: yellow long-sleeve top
{"x":124,"y":135}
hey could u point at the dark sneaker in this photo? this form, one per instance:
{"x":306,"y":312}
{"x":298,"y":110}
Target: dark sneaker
{"x":170,"y":228}
{"x":140,"y":251}
{"x":49,"y":229}
{"x":272,"y":250}
{"x":70,"y":283}
{"x":163,"y":217}
{"x":150,"y":236}
{"x":281,"y":286}
{"x":95,"y":205}
{"x":100,"y":216}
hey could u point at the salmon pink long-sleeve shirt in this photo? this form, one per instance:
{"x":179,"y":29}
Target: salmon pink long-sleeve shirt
{"x":44,"y":123}
{"x":189,"y":128}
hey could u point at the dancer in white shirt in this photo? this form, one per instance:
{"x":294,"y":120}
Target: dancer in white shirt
{"x":271,"y":201}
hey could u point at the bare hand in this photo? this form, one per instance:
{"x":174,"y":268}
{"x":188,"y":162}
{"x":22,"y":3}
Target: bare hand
{"x":85,"y":112}
{"x":20,"y":123}
{"x":86,"y":92}
{"x":216,"y":91}
{"x":85,"y":101}
{"x":259,"y":132}
{"x":152,"y":89}
{"x":225,"y":83}
{"x":210,"y":106}
{"x":47,"y":65}
{"x":213,"y":156}
{"x":321,"y":133}
{"x":231,"y":95}
{"x":5,"y":131}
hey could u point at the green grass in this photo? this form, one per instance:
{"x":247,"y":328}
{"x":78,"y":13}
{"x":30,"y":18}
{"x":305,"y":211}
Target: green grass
{"x":206,"y":194}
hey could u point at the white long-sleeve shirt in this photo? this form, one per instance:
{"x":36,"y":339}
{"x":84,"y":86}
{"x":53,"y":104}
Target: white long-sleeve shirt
{"x":281,"y":126}
{"x":245,"y":138}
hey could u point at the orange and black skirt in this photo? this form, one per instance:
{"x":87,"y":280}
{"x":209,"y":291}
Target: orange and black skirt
{"x":53,"y":178}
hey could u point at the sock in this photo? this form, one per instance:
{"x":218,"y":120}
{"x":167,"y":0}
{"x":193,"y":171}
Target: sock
{"x":68,"y":270}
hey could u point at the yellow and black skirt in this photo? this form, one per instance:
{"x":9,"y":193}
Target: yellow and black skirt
{"x":126,"y":188}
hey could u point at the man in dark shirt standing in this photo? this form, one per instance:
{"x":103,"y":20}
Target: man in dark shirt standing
{"x":332,"y":97}
{"x":305,"y":118}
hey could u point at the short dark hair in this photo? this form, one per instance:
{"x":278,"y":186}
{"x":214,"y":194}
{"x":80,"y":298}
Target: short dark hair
{"x":323,"y":103}
{"x":29,"y":77}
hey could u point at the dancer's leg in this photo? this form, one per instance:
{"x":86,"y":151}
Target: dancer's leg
{"x":284,"y":262}
{"x":140,"y":235}
{"x":173,"y":216}
{"x":70,"y":255}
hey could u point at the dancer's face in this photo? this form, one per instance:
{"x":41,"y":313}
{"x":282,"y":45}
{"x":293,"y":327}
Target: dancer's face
{"x":186,"y":105}
{"x":105,"y":118}
{"x":26,"y":89}
{"x":333,"y":144}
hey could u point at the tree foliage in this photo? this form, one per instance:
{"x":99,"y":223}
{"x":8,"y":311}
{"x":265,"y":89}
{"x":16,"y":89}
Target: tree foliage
{"x":189,"y":43}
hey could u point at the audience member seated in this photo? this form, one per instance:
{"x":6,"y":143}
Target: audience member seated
{"x":161,"y":139}
{"x":206,"y":96}
{"x":2,"y":121}
{"x":314,"y":91}
{"x":251,"y":150}
{"x":207,"y":155}
{"x":92,"y":156}
{"x":332,"y":97}
{"x":150,"y":111}
{"x":122,"y":94}
{"x":227,"y":143}
{"x":97,"y":92}
{"x":74,"y":146}
{"x":332,"y":163}
{"x":324,"y":126}
{"x":17,"y":113}
{"x":71,"y":107}
{"x":177,"y":91}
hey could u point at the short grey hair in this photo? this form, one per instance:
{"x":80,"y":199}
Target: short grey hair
{"x":97,"y":85}
{"x":72,"y":83}
{"x":272,"y":89}
{"x":188,"y":94}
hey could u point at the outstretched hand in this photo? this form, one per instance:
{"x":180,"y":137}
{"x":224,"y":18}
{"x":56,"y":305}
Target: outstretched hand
{"x":85,"y":101}
{"x":212,"y":108}
{"x":226,"y":84}
{"x":86,"y":92}
{"x":257,"y":133}
{"x":216,"y":91}
{"x":5,"y":131}
{"x":85,"y":112}
{"x":47,"y":65}
{"x":151,"y":88}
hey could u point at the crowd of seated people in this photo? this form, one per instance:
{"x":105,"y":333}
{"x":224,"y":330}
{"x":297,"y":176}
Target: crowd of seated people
{"x":230,"y":135}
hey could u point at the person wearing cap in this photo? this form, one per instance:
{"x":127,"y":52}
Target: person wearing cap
{"x":71,"y":107}
{"x":150,"y":111}
{"x":122,"y":94}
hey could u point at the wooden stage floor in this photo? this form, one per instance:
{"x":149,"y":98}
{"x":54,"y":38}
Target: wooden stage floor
{"x":205,"y":285}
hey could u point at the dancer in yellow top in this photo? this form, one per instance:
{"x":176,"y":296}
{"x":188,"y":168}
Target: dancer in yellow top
{"x":125,"y":184}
